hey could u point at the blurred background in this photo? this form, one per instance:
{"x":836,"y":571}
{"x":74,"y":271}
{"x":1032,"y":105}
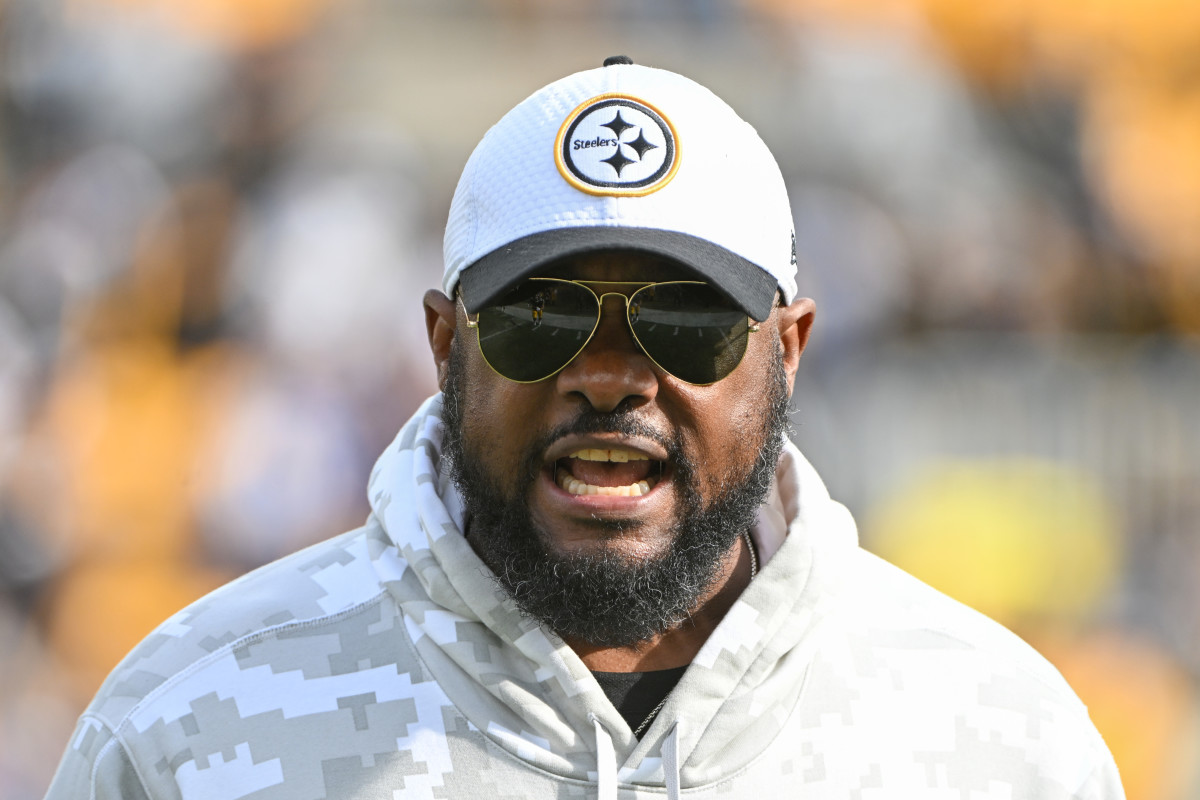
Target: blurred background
{"x":217,"y":218}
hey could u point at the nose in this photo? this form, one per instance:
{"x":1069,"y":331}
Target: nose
{"x":612,"y":370}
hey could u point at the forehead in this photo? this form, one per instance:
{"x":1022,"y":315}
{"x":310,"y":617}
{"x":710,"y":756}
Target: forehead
{"x":619,"y":265}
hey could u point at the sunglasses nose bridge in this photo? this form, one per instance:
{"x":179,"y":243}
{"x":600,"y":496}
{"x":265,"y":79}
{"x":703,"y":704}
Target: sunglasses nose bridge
{"x":612,"y":332}
{"x":623,"y":298}
{"x":602,"y":296}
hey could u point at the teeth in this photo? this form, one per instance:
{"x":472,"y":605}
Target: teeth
{"x":616,"y":455}
{"x":575,"y":486}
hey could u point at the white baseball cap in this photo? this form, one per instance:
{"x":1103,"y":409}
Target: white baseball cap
{"x":623,"y":157}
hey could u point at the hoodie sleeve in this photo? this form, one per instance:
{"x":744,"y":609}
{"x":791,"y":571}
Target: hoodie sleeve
{"x":96,"y":766}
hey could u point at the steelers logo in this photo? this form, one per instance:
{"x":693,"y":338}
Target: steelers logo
{"x":617,"y":145}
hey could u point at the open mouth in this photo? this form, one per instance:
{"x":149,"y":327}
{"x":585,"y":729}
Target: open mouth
{"x":612,"y":472}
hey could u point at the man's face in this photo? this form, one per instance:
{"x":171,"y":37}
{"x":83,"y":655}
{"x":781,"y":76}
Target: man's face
{"x":623,"y":564}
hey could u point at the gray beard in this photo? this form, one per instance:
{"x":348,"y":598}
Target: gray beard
{"x":605,"y":599}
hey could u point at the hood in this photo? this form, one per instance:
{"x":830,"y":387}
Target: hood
{"x":518,"y":683}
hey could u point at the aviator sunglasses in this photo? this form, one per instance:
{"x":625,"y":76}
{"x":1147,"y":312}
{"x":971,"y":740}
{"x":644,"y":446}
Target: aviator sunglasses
{"x":687,"y":328}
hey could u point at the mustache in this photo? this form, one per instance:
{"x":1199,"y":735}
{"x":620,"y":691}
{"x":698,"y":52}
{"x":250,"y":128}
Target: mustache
{"x":621,"y":422}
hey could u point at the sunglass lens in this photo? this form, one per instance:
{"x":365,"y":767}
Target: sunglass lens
{"x":690,"y":330}
{"x":535,"y":329}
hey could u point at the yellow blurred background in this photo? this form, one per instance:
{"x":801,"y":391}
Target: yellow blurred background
{"x":217,"y":218}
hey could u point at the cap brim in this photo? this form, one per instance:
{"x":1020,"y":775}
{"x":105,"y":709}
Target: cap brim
{"x":745,"y":283}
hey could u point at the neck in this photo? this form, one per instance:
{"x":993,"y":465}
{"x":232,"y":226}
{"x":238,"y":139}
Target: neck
{"x":678,"y":646}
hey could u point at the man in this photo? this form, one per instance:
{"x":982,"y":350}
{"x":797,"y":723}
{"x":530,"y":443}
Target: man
{"x":595,"y":566}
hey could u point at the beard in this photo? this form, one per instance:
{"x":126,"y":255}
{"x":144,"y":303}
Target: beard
{"x":607,"y":599}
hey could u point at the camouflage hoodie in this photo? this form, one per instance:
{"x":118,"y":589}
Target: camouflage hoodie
{"x":386,"y":663}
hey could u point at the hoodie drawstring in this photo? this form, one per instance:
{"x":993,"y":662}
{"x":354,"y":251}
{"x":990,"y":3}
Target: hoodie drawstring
{"x":606,"y":763}
{"x":670,"y":762}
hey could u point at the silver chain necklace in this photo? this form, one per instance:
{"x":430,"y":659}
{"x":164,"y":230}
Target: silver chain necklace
{"x":753,"y":573}
{"x":753,"y":554}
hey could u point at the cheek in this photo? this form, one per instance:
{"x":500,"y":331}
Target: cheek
{"x":499,"y":419}
{"x":735,"y":430}
{"x":734,"y":418}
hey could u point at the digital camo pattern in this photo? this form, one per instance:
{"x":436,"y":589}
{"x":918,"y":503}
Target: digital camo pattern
{"x":385,"y":663}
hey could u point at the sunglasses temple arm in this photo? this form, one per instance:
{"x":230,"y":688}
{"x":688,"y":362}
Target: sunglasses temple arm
{"x":471,"y":323}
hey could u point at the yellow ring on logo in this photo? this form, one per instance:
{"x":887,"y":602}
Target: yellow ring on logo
{"x":615,"y":191}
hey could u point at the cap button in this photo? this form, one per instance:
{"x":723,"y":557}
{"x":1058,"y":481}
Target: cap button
{"x":611,"y":60}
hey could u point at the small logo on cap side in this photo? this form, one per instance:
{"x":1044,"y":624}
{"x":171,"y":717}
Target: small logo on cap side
{"x":617,"y":145}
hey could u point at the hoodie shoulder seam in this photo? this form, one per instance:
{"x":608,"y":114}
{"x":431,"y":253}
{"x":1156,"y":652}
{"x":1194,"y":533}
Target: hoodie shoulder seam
{"x":118,"y":743}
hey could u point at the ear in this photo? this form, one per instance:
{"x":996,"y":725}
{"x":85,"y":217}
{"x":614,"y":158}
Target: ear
{"x":440,"y":323}
{"x":795,"y":324}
